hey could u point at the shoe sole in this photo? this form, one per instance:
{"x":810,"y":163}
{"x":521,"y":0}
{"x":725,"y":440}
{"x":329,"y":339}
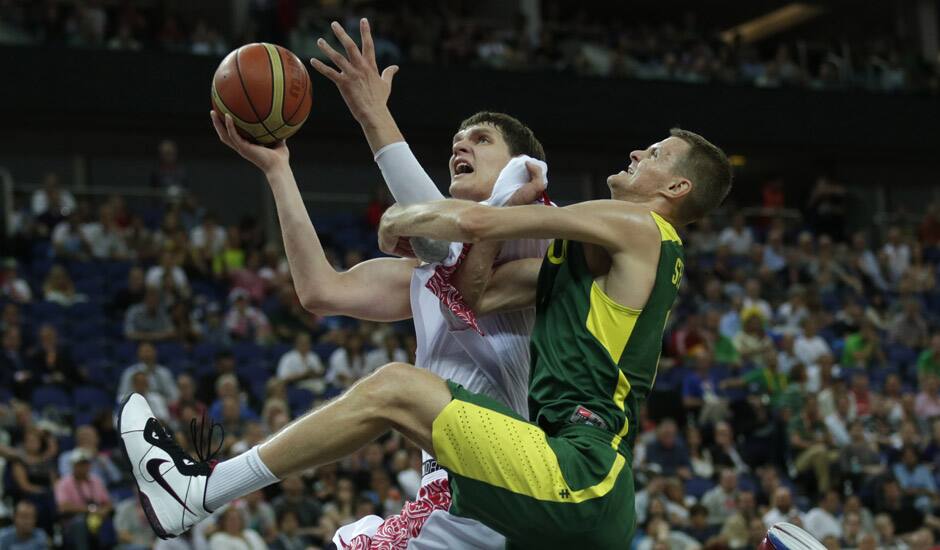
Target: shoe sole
{"x":144,"y":500}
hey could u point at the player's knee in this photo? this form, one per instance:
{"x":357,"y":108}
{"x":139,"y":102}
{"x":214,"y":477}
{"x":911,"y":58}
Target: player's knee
{"x":388,"y":386}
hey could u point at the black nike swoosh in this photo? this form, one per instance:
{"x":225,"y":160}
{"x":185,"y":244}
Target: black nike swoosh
{"x":153,"y":468}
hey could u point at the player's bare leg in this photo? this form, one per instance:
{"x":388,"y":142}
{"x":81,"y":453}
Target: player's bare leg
{"x":397,"y":396}
{"x":177,"y":491}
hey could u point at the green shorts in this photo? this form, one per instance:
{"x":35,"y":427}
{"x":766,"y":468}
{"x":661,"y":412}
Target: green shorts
{"x":568,"y":490}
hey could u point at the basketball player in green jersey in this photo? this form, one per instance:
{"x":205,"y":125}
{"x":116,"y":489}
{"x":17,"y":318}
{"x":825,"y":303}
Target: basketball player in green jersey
{"x":603,"y":293}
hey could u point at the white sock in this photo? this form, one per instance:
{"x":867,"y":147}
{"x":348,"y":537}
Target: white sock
{"x":236,"y":477}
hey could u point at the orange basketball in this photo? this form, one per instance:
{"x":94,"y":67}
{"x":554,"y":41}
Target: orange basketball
{"x":266,"y":89}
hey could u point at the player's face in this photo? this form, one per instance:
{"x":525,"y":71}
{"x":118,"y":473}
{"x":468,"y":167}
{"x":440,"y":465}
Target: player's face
{"x":479,"y":154}
{"x":649,"y":172}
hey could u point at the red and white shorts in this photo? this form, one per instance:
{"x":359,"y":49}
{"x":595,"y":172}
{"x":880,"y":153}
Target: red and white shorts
{"x":395,"y":532}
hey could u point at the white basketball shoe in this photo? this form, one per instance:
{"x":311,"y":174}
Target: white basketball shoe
{"x":171,"y":485}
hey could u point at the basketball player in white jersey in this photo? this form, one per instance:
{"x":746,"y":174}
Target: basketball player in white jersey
{"x":493,"y":361}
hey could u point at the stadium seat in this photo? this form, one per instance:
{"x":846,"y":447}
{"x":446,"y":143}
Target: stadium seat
{"x":277,"y":351}
{"x":125,"y":353}
{"x":698,"y":486}
{"x":51,"y":396}
{"x":44,"y":312}
{"x":92,"y":399}
{"x":299,"y":400}
{"x":86,"y":348}
{"x":204,"y":352}
{"x":247,"y":352}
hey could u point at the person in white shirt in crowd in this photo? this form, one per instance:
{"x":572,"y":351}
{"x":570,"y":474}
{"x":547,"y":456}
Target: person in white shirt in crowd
{"x":232,"y":534}
{"x":823,"y":521}
{"x":898,"y":254}
{"x":347,"y":363}
{"x":12,"y":285}
{"x":782,"y":509}
{"x":51,"y":195}
{"x":786,"y":356}
{"x":721,"y":500}
{"x":160,"y":378}
{"x":169,"y":262}
{"x":790,"y":314}
{"x":809,"y":347}
{"x":301,"y":366}
{"x":104,"y":237}
{"x":389,"y":352}
{"x":738,"y":236}
{"x":130,"y":525}
{"x":208,"y":236}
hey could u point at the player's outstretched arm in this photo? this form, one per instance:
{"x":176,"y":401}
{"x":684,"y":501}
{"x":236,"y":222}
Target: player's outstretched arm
{"x":376,"y":290}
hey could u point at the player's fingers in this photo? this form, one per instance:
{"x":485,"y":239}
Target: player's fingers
{"x":352,"y":50}
{"x":324,"y":69}
{"x":237,"y":141}
{"x":536,"y":176}
{"x":336,"y":57}
{"x":219,"y":128}
{"x":389,"y":73}
{"x":368,"y":46}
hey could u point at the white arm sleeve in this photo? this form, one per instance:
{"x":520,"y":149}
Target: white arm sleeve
{"x":405,"y":177}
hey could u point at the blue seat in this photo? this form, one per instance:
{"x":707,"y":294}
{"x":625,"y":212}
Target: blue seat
{"x":247,"y":352}
{"x":277,"y":351}
{"x":48,"y":312}
{"x":299,"y":400}
{"x":102,"y":374}
{"x":91,"y":328}
{"x":254,"y":373}
{"x":170,"y":353}
{"x":92,"y":399}
{"x":125,"y":353}
{"x":204,"y":352}
{"x":88,"y":349}
{"x":51,"y":396}
{"x":698,"y":486}
{"x":324,"y":350}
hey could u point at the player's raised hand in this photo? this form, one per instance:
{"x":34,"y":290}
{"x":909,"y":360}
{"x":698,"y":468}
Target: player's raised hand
{"x":358,"y":78}
{"x":532,"y":190}
{"x":265,"y":158}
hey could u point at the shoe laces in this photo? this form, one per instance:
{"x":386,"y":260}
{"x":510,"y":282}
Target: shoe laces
{"x":202,"y":440}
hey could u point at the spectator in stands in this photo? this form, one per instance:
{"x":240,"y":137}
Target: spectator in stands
{"x":295,"y":498}
{"x":228,"y":385}
{"x":288,"y":536}
{"x":823,"y":521}
{"x":838,"y":421}
{"x":51,"y":200}
{"x":699,"y":527}
{"x":160,"y":379}
{"x":15,"y":370}
{"x":105,"y":239}
{"x":723,"y":449}
{"x":131,"y":526}
{"x":928,"y":362}
{"x":23,"y":534}
{"x":851,"y":530}
{"x":737,"y":237}
{"x":927,"y":404}
{"x":232,"y":256}
{"x":87,"y":443}
{"x":721,"y":501}
{"x":898,"y":253}
{"x":259,"y":515}
{"x":667,"y":454}
{"x":782,"y":509}
{"x":736,"y":528}
{"x":916,"y":480}
{"x":168,"y":173}
{"x":753,"y":300}
{"x":863,"y":349}
{"x":301,"y":366}
{"x":132,"y":294}
{"x":809,"y":346}
{"x":148,"y":321}
{"x":208,"y":237}
{"x":347,"y":363}
{"x":83,"y":500}
{"x":901,"y":510}
{"x":233,"y":535}
{"x":12,"y":286}
{"x":752,"y":342}
{"x":811,"y":445}
{"x":169,"y":267}
{"x":51,"y":363}
{"x":33,"y":472}
{"x":887,"y":539}
{"x":186,"y":391}
{"x":908,"y":328}
{"x":244,"y":321}
{"x":140,"y":383}
{"x":249,"y":278}
{"x":58,"y":288}
{"x":389,"y":352}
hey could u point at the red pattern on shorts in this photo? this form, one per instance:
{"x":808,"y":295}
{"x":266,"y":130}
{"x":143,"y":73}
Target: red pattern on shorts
{"x":439,"y":284}
{"x":396,"y":531}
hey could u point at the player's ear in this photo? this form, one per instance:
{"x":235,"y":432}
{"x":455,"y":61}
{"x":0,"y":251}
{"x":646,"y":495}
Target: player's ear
{"x":678,"y":187}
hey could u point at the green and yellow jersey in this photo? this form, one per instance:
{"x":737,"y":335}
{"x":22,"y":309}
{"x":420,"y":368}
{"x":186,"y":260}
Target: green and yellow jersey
{"x":594,"y":360}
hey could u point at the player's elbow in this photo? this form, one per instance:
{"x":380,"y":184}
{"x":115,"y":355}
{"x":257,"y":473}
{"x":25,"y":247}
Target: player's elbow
{"x":316,"y":302}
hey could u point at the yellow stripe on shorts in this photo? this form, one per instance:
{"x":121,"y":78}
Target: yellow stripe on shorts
{"x":484,"y":445}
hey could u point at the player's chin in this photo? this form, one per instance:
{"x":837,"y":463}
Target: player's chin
{"x":467,"y":187}
{"x":617,"y":181}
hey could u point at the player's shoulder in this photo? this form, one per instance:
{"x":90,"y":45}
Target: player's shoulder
{"x":634,"y":222}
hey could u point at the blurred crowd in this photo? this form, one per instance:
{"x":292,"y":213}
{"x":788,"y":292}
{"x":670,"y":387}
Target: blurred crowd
{"x":565,"y":38}
{"x":799,"y":381}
